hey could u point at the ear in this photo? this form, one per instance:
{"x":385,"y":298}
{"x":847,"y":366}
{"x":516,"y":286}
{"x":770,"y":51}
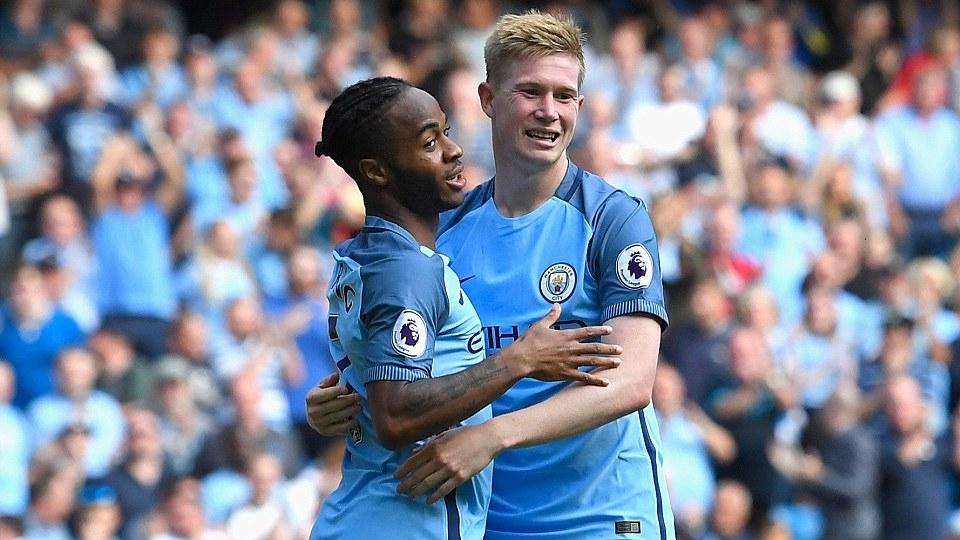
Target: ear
{"x":580,"y":102}
{"x":373,"y":172}
{"x":486,"y":98}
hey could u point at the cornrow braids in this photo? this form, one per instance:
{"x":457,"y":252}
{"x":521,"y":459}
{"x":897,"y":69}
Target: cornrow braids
{"x":353,"y":124}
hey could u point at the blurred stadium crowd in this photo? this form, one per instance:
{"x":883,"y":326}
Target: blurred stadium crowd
{"x":164,"y":229}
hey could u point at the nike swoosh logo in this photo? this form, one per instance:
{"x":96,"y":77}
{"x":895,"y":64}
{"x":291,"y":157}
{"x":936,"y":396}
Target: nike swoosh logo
{"x":466,"y":279}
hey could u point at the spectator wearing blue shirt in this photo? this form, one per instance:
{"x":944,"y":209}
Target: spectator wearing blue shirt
{"x":32,"y":334}
{"x":216,"y":276}
{"x":52,"y":497}
{"x":302,"y":313}
{"x":919,"y":147}
{"x":269,"y":258}
{"x":64,"y":242}
{"x":81,"y":128}
{"x":14,"y":448}
{"x":690,"y":441}
{"x":819,"y":354}
{"x":243,"y":209}
{"x":784,"y":241}
{"x":76,"y":400}
{"x":131,"y":238}
{"x":159,"y":79}
{"x":264,"y":118}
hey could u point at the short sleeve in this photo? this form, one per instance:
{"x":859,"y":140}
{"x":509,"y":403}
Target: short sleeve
{"x":404,"y":304}
{"x":624,"y":259}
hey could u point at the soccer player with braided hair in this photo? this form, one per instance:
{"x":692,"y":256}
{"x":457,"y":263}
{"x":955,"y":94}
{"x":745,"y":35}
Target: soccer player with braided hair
{"x":407,"y":340}
{"x":571,"y":461}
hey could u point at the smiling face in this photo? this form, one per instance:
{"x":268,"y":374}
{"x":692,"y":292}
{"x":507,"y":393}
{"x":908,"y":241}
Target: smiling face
{"x":534,"y":107}
{"x":422,"y":165}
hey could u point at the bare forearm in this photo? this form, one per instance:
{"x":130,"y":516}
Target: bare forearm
{"x":429,"y":406}
{"x":580,"y":408}
{"x":572,"y":411}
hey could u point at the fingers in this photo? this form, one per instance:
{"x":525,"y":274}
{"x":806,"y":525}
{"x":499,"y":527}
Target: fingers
{"x":412,"y":463}
{"x":598,"y":361}
{"x":551,"y":317}
{"x":330,"y":380}
{"x":434,"y":479}
{"x":580,"y":334}
{"x":588,"y":379}
{"x":416,"y":475}
{"x":442,"y":491}
{"x":597,"y":348}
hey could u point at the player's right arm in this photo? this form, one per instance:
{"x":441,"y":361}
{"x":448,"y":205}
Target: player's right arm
{"x":408,"y":411}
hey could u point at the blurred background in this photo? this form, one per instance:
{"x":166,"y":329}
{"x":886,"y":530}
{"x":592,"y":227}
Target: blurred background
{"x":164,"y":231}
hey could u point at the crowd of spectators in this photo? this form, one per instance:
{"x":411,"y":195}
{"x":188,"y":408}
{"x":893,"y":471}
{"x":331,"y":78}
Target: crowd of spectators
{"x":164,"y":230}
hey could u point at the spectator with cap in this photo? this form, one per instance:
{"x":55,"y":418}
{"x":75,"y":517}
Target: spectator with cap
{"x":919,"y":157}
{"x":14,"y":448}
{"x":76,"y":400}
{"x":28,"y":159}
{"x":845,"y":136}
{"x":131,"y":236}
{"x":97,"y":516}
{"x":32,"y":334}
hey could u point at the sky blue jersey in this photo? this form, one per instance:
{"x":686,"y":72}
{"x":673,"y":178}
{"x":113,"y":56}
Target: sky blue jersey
{"x":397,"y":313}
{"x":592,"y":249}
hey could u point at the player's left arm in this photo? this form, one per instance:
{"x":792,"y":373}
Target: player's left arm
{"x":633,"y":307}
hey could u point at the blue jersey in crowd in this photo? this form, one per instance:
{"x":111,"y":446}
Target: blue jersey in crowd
{"x":592,"y":249}
{"x":397,"y":313}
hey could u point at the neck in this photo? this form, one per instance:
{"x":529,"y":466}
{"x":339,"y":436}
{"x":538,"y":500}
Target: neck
{"x":423,"y":228}
{"x":519,"y":191}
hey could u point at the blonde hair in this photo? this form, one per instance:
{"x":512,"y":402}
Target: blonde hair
{"x":532,"y":34}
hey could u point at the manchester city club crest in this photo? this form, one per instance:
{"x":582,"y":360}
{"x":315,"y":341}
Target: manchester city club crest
{"x":558,"y":282}
{"x":408,"y":334}
{"x":635,"y":266}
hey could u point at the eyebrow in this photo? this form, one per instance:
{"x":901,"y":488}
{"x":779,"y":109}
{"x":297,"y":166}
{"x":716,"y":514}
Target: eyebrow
{"x":430,"y":124}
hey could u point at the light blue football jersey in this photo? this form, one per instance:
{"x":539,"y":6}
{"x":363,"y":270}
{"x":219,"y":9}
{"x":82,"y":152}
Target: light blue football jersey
{"x":397,"y":313}
{"x":592,"y":249}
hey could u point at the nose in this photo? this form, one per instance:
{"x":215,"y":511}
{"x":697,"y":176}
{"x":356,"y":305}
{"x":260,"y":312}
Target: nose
{"x":547,"y":108}
{"x":453,"y":150}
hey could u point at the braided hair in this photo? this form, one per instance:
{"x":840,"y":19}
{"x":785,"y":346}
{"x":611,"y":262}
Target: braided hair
{"x":354,"y":123}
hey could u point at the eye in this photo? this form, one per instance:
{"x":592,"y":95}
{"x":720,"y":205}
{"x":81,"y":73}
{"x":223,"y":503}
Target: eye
{"x":431,"y":144}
